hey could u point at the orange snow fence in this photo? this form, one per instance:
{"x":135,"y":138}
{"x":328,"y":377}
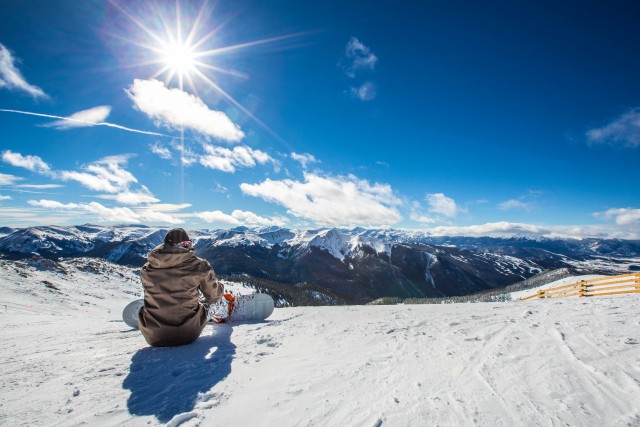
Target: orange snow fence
{"x":610,"y":285}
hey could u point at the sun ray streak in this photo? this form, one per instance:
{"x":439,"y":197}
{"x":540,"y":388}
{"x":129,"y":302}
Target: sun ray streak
{"x":137,"y":22}
{"x":223,"y":70}
{"x":241,"y":107}
{"x":220,"y":50}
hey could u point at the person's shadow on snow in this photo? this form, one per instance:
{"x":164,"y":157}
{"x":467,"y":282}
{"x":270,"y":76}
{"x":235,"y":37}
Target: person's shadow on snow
{"x":166,"y":381}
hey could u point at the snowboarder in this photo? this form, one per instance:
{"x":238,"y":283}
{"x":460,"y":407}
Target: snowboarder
{"x":173,"y":279}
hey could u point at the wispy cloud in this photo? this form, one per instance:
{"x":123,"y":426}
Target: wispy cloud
{"x":624,"y":130}
{"x":168,"y":207}
{"x":91,"y":117}
{"x":84,"y":122}
{"x":131,"y":197}
{"x":29,"y":216}
{"x":514,"y":204}
{"x":6,"y":179}
{"x":219,"y":188}
{"x":106,"y":175}
{"x":357,"y":57}
{"x":238,"y":217}
{"x":32,"y":163}
{"x":305,"y":159}
{"x":3,"y":197}
{"x":11,"y":78}
{"x":424,"y":219}
{"x":109,"y":175}
{"x":110,"y":214}
{"x":621,"y":216}
{"x":161,"y":151}
{"x":177,"y":109}
{"x":227,"y":160}
{"x":187,"y":155}
{"x":510,"y":229}
{"x":495,"y":229}
{"x":39,"y":186}
{"x":365,"y":92}
{"x":331,"y":200}
{"x":442,"y":205}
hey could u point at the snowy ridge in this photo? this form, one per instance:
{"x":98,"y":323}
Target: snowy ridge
{"x":353,"y":265}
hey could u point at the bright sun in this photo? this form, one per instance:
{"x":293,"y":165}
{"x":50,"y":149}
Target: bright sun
{"x":180,"y":53}
{"x":179,"y":59}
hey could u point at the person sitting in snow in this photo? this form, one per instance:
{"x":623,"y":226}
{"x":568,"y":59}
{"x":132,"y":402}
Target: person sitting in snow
{"x":173,"y":279}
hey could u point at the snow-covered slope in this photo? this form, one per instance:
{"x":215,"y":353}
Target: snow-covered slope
{"x":68,"y":359}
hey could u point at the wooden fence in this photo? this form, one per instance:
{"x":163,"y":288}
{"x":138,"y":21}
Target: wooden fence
{"x":610,"y":285}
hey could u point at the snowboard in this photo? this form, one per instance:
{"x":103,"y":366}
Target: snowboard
{"x":246,"y":308}
{"x":251,"y":307}
{"x":130,"y":313}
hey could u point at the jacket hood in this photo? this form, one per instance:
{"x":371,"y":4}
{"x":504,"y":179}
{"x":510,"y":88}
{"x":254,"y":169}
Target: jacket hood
{"x":166,"y":256}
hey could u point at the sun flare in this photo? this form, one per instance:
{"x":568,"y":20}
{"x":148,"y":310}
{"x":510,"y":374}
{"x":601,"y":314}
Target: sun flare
{"x":179,"y":59}
{"x":182,"y":47}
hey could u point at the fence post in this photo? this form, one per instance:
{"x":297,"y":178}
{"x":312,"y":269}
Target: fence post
{"x":583,"y":288}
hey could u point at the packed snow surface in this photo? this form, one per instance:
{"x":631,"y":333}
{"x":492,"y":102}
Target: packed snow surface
{"x":68,"y":359}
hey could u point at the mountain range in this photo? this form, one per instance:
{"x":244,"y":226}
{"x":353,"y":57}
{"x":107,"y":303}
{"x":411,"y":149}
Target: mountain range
{"x":340,"y":265}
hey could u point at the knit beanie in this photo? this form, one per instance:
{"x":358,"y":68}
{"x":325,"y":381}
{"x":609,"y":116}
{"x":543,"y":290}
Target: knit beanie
{"x":175,"y":236}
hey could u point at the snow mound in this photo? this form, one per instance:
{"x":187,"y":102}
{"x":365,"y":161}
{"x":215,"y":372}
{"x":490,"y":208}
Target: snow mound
{"x":68,"y":359}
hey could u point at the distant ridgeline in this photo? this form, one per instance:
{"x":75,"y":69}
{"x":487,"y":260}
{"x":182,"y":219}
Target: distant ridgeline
{"x":334,"y":266}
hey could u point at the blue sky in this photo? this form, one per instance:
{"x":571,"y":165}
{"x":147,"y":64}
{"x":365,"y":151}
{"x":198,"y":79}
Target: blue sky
{"x":500,"y":118}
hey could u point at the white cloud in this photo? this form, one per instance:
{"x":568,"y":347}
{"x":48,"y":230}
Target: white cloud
{"x":148,"y":214}
{"x":493,"y":229}
{"x":178,"y":109}
{"x":366,"y":92}
{"x":161,"y":151}
{"x":331,"y":200}
{"x":509,"y":229}
{"x":92,"y":182}
{"x":621,"y":216}
{"x":2,"y":197}
{"x":220,"y":188}
{"x":514,"y":204}
{"x":110,"y":176}
{"x":624,"y":130}
{"x":227,"y":160}
{"x":131,"y":197}
{"x":167,"y":207}
{"x":238,"y":217}
{"x":423,"y":218}
{"x":358,"y":57}
{"x":91,"y":117}
{"x":441,"y":204}
{"x":187,"y":155}
{"x":103,"y":175}
{"x":6,"y":179}
{"x":11,"y":78}
{"x":39,"y":186}
{"x":32,"y":163}
{"x":110,"y":214}
{"x":304,"y":159}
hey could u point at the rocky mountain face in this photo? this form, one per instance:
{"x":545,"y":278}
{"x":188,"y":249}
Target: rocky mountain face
{"x":354,"y":266}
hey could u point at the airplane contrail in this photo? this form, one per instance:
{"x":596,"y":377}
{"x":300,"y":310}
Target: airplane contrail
{"x":86,"y":122}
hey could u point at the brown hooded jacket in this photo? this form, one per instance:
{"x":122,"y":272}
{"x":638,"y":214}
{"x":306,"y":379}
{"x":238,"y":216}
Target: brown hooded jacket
{"x":172,"y":279}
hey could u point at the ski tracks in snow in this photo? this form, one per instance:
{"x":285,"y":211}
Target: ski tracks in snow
{"x":67,"y":359}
